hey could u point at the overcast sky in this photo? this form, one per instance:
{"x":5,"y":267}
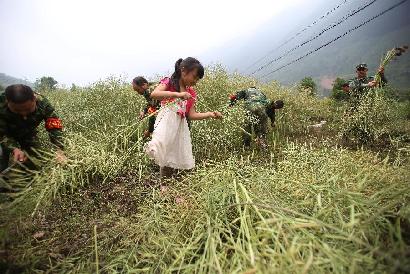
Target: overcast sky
{"x":80,"y":41}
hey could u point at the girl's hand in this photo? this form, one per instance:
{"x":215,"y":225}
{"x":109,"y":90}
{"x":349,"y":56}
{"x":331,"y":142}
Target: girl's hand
{"x":215,"y":115}
{"x":184,"y":95}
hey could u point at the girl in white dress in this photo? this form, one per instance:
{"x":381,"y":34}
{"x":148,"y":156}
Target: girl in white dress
{"x":171,"y":146}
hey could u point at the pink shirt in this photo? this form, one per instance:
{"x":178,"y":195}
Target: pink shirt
{"x":170,"y":87}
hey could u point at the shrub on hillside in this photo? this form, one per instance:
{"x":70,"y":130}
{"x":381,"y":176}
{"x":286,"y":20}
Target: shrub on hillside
{"x":308,"y":85}
{"x":45,"y":83}
{"x":372,"y":121}
{"x":337,"y":93}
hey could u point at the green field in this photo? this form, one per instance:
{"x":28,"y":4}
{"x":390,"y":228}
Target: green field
{"x":314,"y":203}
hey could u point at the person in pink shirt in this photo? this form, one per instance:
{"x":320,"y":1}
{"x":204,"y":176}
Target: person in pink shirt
{"x":171,"y":146}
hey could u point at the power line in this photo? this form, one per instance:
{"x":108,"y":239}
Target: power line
{"x":335,"y":39}
{"x":297,"y":34}
{"x":343,"y":19}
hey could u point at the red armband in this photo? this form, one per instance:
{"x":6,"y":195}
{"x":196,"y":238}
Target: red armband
{"x":232,"y":97}
{"x":53,"y":123}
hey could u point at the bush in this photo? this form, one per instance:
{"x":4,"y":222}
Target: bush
{"x":308,"y":85}
{"x":373,"y":120}
{"x":45,"y":83}
{"x":337,"y":93}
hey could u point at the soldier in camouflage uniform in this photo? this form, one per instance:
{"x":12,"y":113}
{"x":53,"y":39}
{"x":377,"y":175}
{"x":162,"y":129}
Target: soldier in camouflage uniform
{"x":258,"y":109}
{"x":359,"y":86}
{"x":21,"y":112}
{"x":141,"y":85}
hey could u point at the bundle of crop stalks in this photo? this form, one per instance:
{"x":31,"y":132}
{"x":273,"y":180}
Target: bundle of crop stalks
{"x":306,"y":205}
{"x":390,"y":55}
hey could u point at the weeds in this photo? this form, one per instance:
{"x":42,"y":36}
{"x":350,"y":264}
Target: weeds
{"x":307,"y":205}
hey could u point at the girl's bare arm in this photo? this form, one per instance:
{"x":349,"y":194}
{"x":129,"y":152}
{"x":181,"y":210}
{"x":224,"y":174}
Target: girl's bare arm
{"x":193,"y":115}
{"x":161,"y":92}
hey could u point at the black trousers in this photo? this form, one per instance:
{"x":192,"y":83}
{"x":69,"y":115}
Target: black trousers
{"x":151,"y":123}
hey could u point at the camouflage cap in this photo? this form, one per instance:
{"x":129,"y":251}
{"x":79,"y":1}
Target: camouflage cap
{"x":362,"y":65}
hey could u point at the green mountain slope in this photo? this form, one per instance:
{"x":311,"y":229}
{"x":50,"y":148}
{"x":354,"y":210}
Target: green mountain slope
{"x":341,"y":60}
{"x":366,"y":44}
{"x":6,"y":80}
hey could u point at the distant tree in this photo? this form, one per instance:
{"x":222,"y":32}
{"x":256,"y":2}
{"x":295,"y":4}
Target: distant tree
{"x":308,"y":85}
{"x":337,"y":93}
{"x":1,"y":88}
{"x":45,"y":83}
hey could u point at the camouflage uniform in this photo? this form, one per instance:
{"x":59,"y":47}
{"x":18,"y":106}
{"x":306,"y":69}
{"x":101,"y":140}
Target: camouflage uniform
{"x":17,"y":132}
{"x":151,"y":107}
{"x":359,"y":86}
{"x":257,"y":112}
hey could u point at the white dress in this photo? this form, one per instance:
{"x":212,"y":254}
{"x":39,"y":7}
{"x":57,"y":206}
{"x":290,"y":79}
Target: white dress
{"x":171,"y":140}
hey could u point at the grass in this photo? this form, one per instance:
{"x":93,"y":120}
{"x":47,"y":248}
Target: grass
{"x":308,"y":205}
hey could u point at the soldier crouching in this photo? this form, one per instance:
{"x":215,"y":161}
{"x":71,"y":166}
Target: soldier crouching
{"x":21,"y":112}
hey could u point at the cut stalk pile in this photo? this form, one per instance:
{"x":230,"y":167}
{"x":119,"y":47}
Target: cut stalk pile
{"x":307,"y":205}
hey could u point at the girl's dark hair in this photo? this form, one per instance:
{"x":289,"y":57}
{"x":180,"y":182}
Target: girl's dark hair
{"x":19,"y":93}
{"x":139,"y":81}
{"x":188,"y":64}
